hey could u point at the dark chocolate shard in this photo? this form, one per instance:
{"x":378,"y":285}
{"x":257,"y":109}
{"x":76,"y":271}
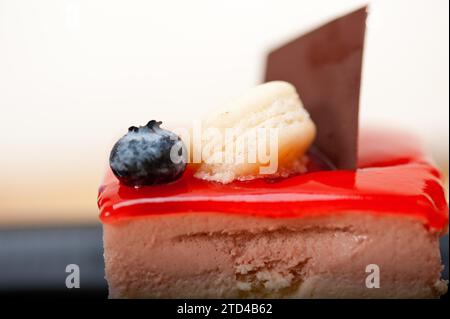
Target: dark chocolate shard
{"x":325,"y":67}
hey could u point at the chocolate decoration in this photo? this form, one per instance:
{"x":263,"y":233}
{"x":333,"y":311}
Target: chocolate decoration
{"x":325,"y":67}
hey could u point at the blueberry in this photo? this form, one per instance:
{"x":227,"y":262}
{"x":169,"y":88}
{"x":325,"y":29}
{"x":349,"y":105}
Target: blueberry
{"x":148,"y":155}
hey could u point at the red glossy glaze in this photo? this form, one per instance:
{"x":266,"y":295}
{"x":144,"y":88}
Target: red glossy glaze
{"x":394,"y":177}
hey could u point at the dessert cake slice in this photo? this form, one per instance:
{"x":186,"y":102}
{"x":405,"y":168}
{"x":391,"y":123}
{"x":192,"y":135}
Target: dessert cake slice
{"x":306,"y":236}
{"x":348,"y":217}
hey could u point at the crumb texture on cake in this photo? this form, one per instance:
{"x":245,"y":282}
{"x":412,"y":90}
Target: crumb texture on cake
{"x":210,"y":255}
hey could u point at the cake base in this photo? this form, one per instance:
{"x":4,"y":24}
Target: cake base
{"x":216,"y":255}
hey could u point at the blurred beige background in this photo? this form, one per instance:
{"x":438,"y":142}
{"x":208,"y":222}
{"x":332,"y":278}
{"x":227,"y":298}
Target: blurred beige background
{"x":74,"y":74}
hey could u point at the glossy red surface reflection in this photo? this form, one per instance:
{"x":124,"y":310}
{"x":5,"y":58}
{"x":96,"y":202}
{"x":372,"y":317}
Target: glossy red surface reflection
{"x":393,"y":177}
